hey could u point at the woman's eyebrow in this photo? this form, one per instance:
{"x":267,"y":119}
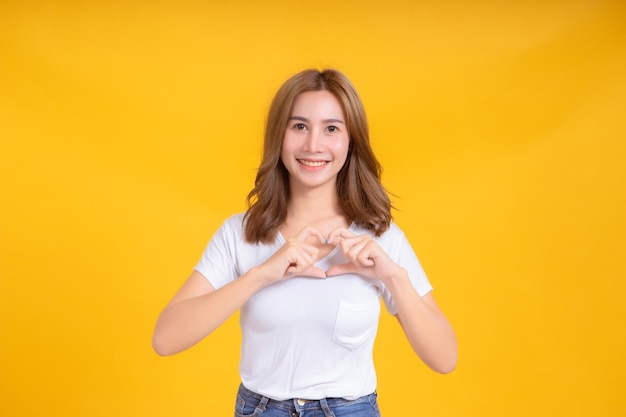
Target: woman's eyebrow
{"x":304,"y":119}
{"x":300,"y":118}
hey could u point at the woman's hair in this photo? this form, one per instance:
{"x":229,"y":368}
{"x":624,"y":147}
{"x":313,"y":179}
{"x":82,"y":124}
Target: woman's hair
{"x":360,"y":193}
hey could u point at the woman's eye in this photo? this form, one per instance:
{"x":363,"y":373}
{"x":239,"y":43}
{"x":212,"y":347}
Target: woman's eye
{"x":300,"y":126}
{"x":332,"y":129}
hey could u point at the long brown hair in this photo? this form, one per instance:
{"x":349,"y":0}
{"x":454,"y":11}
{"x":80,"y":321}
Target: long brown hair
{"x":361,"y":194}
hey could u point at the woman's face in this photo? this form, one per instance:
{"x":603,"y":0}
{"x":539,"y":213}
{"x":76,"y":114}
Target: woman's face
{"x":316,"y":141}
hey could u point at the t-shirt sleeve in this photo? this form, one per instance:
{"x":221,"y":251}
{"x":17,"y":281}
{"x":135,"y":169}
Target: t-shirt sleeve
{"x":218,"y":263}
{"x":402,"y":253}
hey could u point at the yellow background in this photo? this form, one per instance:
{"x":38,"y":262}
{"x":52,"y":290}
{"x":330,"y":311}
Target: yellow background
{"x":129,"y":130}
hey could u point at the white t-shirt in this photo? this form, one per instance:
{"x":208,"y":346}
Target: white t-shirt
{"x":307,"y":337}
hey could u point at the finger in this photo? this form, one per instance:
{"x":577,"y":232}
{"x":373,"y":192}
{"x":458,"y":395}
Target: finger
{"x":339,"y":234}
{"x":311,"y":271}
{"x":293,"y":247}
{"x":298,"y":264}
{"x":314,"y":272}
{"x":353,"y":243}
{"x":310,"y":231}
{"x":301,"y":258}
{"x":370,"y":253}
{"x":310,"y":250}
{"x":360,"y":250}
{"x":361,"y":257}
{"x":340,"y":269}
{"x":364,"y":257}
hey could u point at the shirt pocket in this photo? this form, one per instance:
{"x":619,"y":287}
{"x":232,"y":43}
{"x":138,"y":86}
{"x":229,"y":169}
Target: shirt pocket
{"x":355,"y":323}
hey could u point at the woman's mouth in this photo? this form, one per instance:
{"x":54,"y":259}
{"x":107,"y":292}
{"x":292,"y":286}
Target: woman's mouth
{"x":310,"y":163}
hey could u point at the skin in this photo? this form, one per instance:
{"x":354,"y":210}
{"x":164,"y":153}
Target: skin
{"x":315,"y":147}
{"x":316,"y":142}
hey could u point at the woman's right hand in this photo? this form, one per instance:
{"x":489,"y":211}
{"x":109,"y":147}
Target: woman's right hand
{"x":294,"y":258}
{"x":198,"y":309}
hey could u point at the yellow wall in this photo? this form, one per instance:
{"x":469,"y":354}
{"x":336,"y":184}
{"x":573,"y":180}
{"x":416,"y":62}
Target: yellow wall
{"x":130,"y":130}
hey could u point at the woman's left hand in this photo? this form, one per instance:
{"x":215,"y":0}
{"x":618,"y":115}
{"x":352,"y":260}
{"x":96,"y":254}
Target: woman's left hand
{"x":365,"y":256}
{"x":427,"y":329}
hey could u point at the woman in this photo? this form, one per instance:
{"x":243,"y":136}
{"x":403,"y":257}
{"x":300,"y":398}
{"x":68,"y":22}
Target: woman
{"x":307,"y":264}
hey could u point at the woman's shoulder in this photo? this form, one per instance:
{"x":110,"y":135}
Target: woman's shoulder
{"x":237,"y":218}
{"x":393,"y":234}
{"x":233,"y":224}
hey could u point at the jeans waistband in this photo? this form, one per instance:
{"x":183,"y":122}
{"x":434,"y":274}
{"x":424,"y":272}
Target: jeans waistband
{"x":302,"y":403}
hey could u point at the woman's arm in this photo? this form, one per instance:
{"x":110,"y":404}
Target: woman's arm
{"x":430,"y":334}
{"x":198,"y":309}
{"x":427,"y":329}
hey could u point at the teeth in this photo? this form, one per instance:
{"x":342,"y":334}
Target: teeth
{"x":312,"y":163}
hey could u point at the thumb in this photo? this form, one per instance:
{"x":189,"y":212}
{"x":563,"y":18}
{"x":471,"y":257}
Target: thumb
{"x":315,"y":272}
{"x":312,"y":272}
{"x":340,"y":269}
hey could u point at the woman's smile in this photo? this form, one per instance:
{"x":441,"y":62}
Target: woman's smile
{"x":312,"y":163}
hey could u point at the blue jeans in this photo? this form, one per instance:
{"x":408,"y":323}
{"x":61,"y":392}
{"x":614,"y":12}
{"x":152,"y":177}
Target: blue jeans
{"x":250,"y":404}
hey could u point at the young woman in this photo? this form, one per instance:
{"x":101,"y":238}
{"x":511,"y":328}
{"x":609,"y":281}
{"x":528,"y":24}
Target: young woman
{"x":307,"y":264}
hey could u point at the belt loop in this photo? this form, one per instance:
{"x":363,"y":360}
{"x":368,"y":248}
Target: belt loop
{"x":327,"y":411}
{"x":262,"y":404}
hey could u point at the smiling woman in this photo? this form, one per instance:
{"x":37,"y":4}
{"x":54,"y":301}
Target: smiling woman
{"x":307,"y":264}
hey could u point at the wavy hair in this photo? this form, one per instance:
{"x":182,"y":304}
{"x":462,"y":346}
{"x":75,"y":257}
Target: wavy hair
{"x":360,"y":193}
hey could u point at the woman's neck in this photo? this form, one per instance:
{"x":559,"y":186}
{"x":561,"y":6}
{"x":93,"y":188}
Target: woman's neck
{"x":314,"y":208}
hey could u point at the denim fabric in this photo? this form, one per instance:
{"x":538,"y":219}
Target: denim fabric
{"x":250,"y":404}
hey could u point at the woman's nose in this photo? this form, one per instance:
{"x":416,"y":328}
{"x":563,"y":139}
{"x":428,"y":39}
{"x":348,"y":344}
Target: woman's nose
{"x":313,"y":141}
